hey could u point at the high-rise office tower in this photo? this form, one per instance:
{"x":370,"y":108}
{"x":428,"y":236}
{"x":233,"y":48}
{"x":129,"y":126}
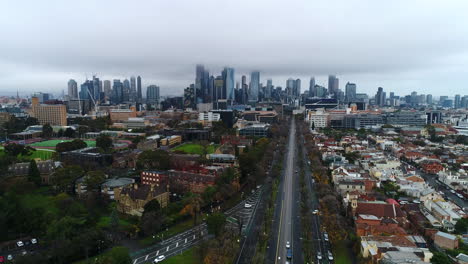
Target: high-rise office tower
{"x":429,"y":99}
{"x":245,"y":89}
{"x":107,"y":89}
{"x":97,"y":89}
{"x":254,"y":86}
{"x":218,"y":90}
{"x":126,"y":90}
{"x":268,"y":89}
{"x":87,"y":90}
{"x":118,"y":91}
{"x":152,"y":95}
{"x":290,"y":83}
{"x":228,"y":80}
{"x":201,"y":84}
{"x":414,"y":98}
{"x":350,"y":92}
{"x":312,"y":87}
{"x":297,"y":87}
{"x":139,"y":91}
{"x":457,"y":101}
{"x":72,"y":89}
{"x":133,"y":92}
{"x":380,"y":97}
{"x":333,"y":84}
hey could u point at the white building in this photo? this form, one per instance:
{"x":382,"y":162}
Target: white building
{"x":318,"y":118}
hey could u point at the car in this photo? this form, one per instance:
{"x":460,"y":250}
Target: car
{"x":2,"y":259}
{"x":24,"y":252}
{"x":247,"y":205}
{"x":319,"y":255}
{"x":34,"y":241}
{"x":288,"y":245}
{"x":159,"y":259}
{"x":325,"y":236}
{"x":330,"y":256}
{"x":20,"y":243}
{"x":10,"y":257}
{"x":459,"y":195}
{"x":452,"y":191}
{"x":289,"y":254}
{"x":315,"y":211}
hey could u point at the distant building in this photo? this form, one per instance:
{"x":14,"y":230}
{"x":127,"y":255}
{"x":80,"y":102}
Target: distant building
{"x":152,"y":95}
{"x":120,"y":115}
{"x":406,"y":118}
{"x":254,"y":87}
{"x":49,"y":114}
{"x":350,"y":92}
{"x":255,"y":130}
{"x":72,"y":89}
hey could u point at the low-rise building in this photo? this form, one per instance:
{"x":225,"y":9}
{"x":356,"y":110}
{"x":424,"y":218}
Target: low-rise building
{"x":445,"y":240}
{"x":132,"y":199}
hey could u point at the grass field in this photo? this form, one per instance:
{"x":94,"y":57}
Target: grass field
{"x":341,"y":254}
{"x":54,"y":142}
{"x":193,"y":148}
{"x":43,"y":154}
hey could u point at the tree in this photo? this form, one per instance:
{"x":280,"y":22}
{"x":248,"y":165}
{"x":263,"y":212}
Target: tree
{"x":151,"y":222}
{"x":14,"y":150}
{"x":117,"y":255}
{"x":70,"y":145}
{"x":47,"y":131}
{"x":104,"y":142}
{"x":94,"y":180}
{"x":461,"y":226}
{"x":152,"y":206}
{"x":64,"y":178}
{"x":69,"y":132}
{"x":440,"y":258}
{"x":34,"y":175}
{"x":154,"y":159}
{"x":193,"y":208}
{"x":215,"y":223}
{"x":313,"y":125}
{"x":60,"y":133}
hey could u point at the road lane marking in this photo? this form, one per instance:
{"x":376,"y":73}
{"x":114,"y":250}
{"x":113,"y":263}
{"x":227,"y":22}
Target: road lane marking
{"x":167,"y":249}
{"x":157,"y":253}
{"x":185,"y":240}
{"x":177,"y":244}
{"x":146,"y":258}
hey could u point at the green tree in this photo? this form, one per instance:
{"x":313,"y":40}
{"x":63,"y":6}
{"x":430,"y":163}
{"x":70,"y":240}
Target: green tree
{"x":94,"y":179}
{"x":47,"y":131}
{"x":152,"y":206}
{"x":14,"y":150}
{"x":64,"y":178}
{"x":104,"y":142}
{"x":440,"y":258}
{"x":461,"y":226}
{"x":34,"y":175}
{"x":69,"y":132}
{"x":117,"y":255}
{"x":215,"y":223}
{"x":154,"y":159}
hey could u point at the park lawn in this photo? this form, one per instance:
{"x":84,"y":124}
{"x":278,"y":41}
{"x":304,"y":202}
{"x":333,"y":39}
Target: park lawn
{"x":104,"y":222}
{"x":341,"y":254}
{"x":43,"y":154}
{"x":171,"y":231}
{"x":193,"y":148}
{"x":54,"y":142}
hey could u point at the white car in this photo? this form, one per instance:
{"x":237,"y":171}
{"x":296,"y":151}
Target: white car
{"x":459,"y":195}
{"x":325,"y":236}
{"x":159,"y":259}
{"x":288,"y":245}
{"x":246,"y":205}
{"x":330,"y":256}
{"x":34,"y":241}
{"x":10,"y":257}
{"x":20,"y":243}
{"x":319,"y":255}
{"x":452,"y":191}
{"x":315,"y":211}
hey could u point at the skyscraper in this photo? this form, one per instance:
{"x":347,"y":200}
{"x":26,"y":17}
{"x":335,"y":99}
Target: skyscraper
{"x":429,"y":99}
{"x":380,"y":97}
{"x":269,"y":89}
{"x":254,"y":86}
{"x":152,"y":95}
{"x":457,"y":101}
{"x":72,"y":89}
{"x":139,"y":92}
{"x":290,"y":83}
{"x":201,"y":84}
{"x":133,"y":92}
{"x":333,"y":84}
{"x":218,"y":90}
{"x":126,"y":90}
{"x":117,"y":90}
{"x":297,"y":88}
{"x":228,"y":79}
{"x":107,"y":89}
{"x":312,"y":87}
{"x":350,"y":92}
{"x":86,"y":90}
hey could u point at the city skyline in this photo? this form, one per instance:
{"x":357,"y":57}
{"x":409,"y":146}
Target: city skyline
{"x":416,"y":51}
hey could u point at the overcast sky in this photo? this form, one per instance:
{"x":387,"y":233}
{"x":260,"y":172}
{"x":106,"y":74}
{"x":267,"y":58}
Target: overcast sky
{"x":400,"y":45}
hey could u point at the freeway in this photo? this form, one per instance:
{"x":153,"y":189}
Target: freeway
{"x":185,"y":240}
{"x":285,"y":226}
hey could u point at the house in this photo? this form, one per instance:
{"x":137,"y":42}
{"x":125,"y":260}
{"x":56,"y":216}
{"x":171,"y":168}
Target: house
{"x":132,"y":199}
{"x":394,"y":249}
{"x":462,"y":258}
{"x":431,"y":166}
{"x":445,"y":240}
{"x":380,"y":209}
{"x":372,"y":225}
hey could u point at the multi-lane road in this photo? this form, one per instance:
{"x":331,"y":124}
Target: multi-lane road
{"x":183,"y":241}
{"x":285,"y":230}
